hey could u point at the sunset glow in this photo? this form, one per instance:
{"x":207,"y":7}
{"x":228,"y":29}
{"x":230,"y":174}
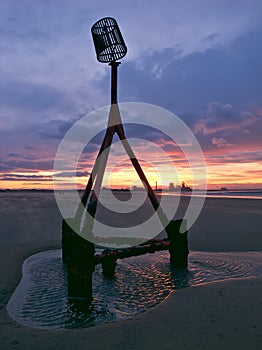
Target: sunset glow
{"x":204,"y":69}
{"x":240,"y":175}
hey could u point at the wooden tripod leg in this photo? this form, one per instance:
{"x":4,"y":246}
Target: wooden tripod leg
{"x":105,"y":145}
{"x":100,"y":173}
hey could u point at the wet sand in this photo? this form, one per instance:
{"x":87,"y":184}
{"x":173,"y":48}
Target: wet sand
{"x":221,"y":315}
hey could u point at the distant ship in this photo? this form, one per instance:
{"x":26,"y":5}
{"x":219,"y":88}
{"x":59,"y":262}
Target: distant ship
{"x":185,"y":188}
{"x":182,"y":188}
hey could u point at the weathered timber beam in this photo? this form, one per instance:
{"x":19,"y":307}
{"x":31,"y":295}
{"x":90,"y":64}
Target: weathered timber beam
{"x":151,"y":247}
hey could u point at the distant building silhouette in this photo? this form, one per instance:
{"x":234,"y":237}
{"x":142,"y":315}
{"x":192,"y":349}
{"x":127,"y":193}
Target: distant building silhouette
{"x":171,"y":186}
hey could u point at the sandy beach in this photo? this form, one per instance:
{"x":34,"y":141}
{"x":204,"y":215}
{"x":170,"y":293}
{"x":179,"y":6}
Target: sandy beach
{"x":221,"y":315}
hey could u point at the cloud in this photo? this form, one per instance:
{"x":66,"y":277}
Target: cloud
{"x":186,"y":85}
{"x":56,"y":128}
{"x":19,"y":177}
{"x":28,"y":147}
{"x":57,"y":51}
{"x":185,"y":27}
{"x":27,"y":103}
{"x":220,"y":142}
{"x":72,"y":174}
{"x":23,"y":164}
{"x":14,"y":155}
{"x":233,"y":156}
{"x":57,"y":74}
{"x":221,"y":117}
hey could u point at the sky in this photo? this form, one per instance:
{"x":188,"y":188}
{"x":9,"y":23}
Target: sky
{"x":200,"y":60}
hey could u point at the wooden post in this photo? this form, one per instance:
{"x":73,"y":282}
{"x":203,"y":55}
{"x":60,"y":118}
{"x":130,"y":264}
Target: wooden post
{"x":108,"y":265}
{"x":114,"y":66}
{"x":78,"y":254}
{"x":178,"y":248}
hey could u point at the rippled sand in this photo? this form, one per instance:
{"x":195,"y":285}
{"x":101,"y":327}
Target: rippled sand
{"x":40,"y":300}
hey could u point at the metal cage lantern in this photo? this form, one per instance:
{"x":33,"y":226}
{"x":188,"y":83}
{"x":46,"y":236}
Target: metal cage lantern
{"x":108,"y":40}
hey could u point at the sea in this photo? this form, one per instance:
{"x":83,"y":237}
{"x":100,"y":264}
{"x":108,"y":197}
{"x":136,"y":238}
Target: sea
{"x":244,"y":194}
